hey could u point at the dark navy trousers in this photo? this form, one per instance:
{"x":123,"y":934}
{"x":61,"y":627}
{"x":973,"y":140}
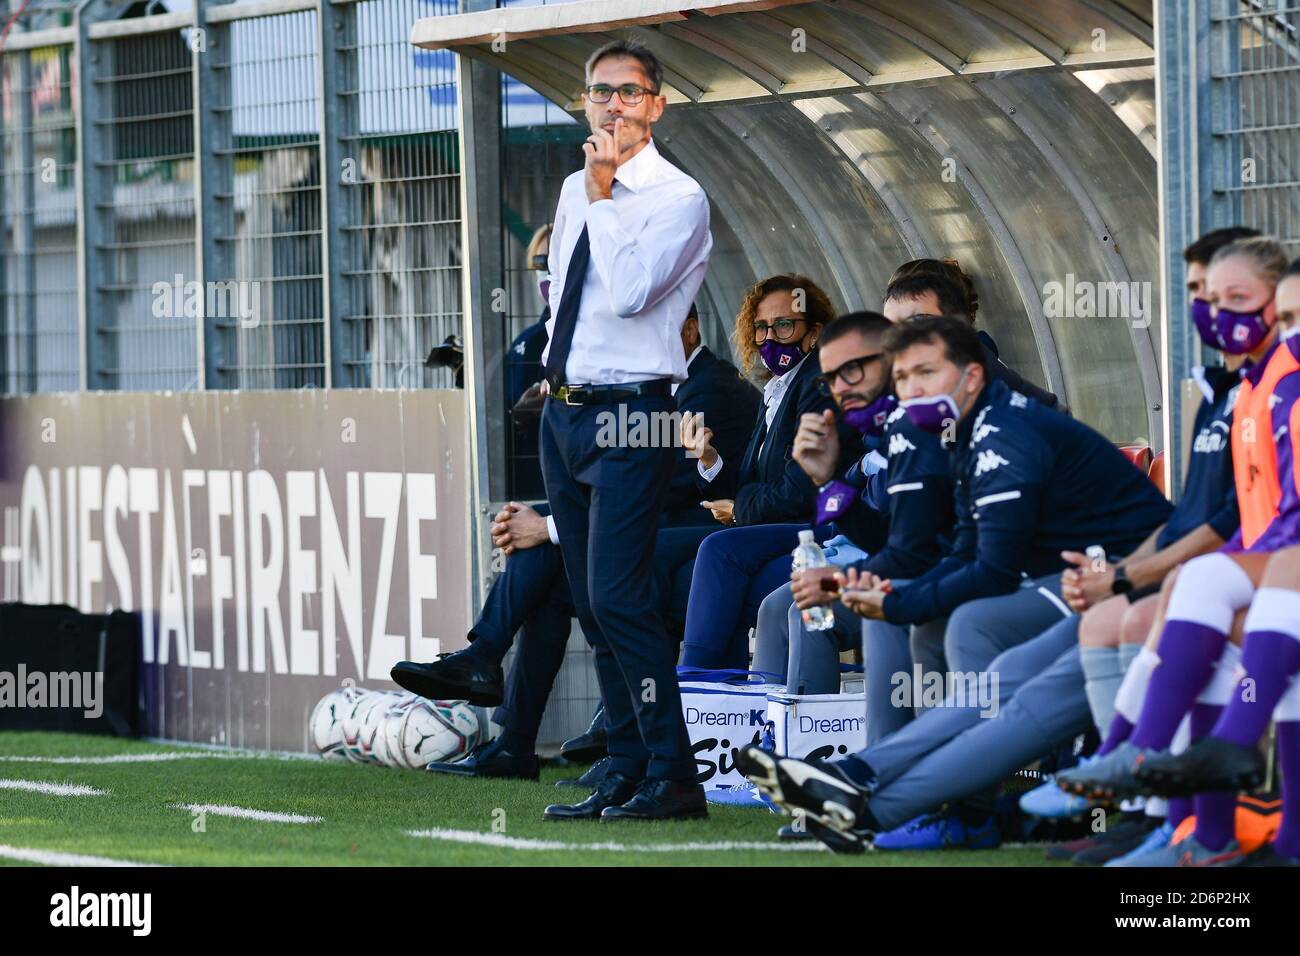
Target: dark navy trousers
{"x":735,"y":569}
{"x":532,"y":593}
{"x":607,"y":503}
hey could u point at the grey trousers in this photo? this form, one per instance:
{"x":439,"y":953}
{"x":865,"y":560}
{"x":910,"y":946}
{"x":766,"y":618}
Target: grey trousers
{"x":976,"y":634}
{"x":957,"y":754}
{"x":889,"y":650}
{"x":809,"y":661}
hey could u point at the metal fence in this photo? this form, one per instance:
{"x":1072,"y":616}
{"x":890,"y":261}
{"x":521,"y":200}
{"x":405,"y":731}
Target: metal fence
{"x":1255,"y":110}
{"x":226,"y":195}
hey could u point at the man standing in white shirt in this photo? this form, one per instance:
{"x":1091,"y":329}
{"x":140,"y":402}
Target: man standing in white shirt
{"x":629,"y":249}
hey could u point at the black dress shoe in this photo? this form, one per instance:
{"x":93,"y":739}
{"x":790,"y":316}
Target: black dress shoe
{"x":591,"y":744}
{"x":662,"y":800}
{"x":615,"y":789}
{"x":591,"y":779}
{"x":461,"y":675}
{"x":491,"y":760}
{"x":1209,"y":765}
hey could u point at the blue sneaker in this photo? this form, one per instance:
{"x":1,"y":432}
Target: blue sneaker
{"x":1141,"y":855}
{"x":940,"y":831}
{"x":1050,"y":802}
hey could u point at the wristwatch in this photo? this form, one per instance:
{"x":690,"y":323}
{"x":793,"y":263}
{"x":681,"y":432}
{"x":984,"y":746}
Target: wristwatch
{"x":1120,"y":584}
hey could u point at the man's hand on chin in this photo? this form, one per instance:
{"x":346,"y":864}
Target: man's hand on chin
{"x":602,"y":152}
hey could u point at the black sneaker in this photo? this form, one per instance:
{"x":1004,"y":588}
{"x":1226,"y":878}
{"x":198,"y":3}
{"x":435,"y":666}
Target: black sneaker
{"x":460,"y":675}
{"x":1210,"y":764}
{"x":1125,"y":834}
{"x":821,"y":790}
{"x":1112,"y":777}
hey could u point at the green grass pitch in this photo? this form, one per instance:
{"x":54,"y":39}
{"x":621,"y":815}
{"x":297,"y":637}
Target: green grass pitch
{"x":366,"y":815}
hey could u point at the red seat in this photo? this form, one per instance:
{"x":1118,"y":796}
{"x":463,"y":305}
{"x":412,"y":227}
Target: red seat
{"x":1140,"y":455}
{"x":1157,"y":471}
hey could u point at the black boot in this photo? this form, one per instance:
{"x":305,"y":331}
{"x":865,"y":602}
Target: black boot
{"x":461,"y":675}
{"x":591,"y":744}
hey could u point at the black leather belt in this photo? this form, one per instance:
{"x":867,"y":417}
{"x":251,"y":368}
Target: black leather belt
{"x":610,"y":394}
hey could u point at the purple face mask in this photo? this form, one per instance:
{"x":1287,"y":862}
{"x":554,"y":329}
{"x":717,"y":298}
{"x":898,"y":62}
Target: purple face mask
{"x":931,"y":415}
{"x":935,"y":413}
{"x":1233,"y":332}
{"x":1204,"y":322}
{"x":544,"y":287}
{"x":869,"y":420}
{"x":779,"y":357}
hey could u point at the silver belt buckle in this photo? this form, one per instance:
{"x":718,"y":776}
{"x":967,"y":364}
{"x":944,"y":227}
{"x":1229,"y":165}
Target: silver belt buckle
{"x":568,"y":391}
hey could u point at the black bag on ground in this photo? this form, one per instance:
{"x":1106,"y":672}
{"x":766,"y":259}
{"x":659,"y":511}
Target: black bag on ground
{"x":50,"y":660}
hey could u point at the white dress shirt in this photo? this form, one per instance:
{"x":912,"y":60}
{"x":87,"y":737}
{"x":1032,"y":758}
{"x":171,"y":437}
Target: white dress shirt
{"x":773,"y":394}
{"x":650,"y":247}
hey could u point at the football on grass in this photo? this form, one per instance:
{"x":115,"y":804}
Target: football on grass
{"x":440,"y":731}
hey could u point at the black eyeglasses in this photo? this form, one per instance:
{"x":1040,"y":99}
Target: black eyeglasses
{"x":851,"y":371}
{"x":783,"y":329}
{"x":540,"y":263}
{"x":629,"y":93}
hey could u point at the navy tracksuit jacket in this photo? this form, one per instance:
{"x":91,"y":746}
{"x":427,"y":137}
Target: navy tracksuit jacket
{"x":1030,"y":483}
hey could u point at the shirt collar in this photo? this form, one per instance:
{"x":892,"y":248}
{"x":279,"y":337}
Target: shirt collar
{"x":638,"y":170}
{"x":691,"y":357}
{"x":777,"y":383}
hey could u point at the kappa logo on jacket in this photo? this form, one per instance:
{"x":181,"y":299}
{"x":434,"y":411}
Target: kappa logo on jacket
{"x":988,"y":460}
{"x":980,"y":431}
{"x":898,"y":444}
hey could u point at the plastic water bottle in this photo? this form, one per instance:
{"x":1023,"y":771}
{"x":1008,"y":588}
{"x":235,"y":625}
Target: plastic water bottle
{"x":810,"y":555}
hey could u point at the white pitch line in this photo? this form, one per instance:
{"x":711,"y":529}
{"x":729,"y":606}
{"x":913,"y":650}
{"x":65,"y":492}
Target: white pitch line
{"x":521,"y":843}
{"x":112,"y":758}
{"x":54,"y":858}
{"x":54,"y":789}
{"x":246,"y":813}
{"x":160,"y":757}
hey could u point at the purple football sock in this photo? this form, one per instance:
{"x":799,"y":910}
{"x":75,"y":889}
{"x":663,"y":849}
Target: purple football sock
{"x":1116,"y":734}
{"x":1180,"y":808}
{"x":1287,"y":841}
{"x":1270,"y":659}
{"x":1188,"y":652}
{"x":1215,"y":818}
{"x":1215,"y":812}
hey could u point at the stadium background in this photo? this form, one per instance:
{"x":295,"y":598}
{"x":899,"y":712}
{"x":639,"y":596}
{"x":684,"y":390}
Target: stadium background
{"x":381,"y":195}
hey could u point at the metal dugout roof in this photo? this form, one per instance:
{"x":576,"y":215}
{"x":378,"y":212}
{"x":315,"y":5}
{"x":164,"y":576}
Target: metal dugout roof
{"x":841,"y":137}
